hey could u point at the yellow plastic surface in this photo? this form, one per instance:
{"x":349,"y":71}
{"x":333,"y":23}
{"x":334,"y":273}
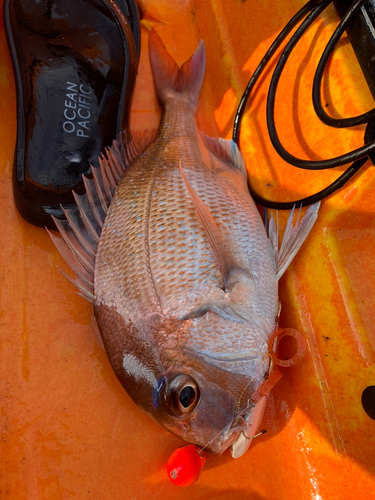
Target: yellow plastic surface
{"x":68,"y":429}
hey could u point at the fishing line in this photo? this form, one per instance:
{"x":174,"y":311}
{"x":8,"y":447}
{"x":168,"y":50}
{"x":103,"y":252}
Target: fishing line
{"x":249,"y":404}
{"x":238,"y":405}
{"x":236,"y":417}
{"x":308,"y":13}
{"x":162,"y":488}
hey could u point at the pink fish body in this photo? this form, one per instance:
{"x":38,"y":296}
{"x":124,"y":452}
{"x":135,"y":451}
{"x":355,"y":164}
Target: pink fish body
{"x":183,"y":276}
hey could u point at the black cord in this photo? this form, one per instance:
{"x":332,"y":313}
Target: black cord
{"x":270,"y":52}
{"x":309,"y":200}
{"x":338,"y":161}
{"x":359,"y":156}
{"x":316,"y":95}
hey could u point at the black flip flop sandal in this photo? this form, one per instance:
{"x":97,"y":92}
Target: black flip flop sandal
{"x":75,"y":64}
{"x":131,"y":11}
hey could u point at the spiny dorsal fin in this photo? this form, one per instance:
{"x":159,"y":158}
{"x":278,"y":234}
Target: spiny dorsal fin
{"x":82,"y":228}
{"x":132,"y":145}
{"x":220,"y":244}
{"x":227,"y":150}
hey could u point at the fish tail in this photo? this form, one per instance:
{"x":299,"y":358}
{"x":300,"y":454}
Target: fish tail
{"x":172,"y":81}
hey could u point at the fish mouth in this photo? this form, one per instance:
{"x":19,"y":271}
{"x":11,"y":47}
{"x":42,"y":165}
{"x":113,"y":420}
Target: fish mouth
{"x":227,"y":438}
{"x":231,"y":437}
{"x":244,"y":439}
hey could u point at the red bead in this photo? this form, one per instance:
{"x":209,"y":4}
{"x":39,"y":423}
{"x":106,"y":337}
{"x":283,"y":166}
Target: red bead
{"x":185,"y":465}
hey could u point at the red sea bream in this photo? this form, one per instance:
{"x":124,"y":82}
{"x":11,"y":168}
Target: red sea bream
{"x":171,"y":249}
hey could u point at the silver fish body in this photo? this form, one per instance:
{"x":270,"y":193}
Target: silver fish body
{"x":185,"y":276}
{"x":155,"y":266}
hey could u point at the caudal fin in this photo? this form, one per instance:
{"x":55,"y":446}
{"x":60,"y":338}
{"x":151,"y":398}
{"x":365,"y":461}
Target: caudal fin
{"x":172,"y":81}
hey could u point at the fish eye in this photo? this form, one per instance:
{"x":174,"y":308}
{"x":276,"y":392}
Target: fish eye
{"x":187,"y":396}
{"x":181,"y":395}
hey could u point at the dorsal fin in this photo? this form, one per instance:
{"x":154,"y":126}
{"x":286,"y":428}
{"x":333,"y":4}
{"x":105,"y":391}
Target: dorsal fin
{"x":132,"y":145}
{"x":227,"y":150}
{"x":82,"y":228}
{"x":221,"y":245}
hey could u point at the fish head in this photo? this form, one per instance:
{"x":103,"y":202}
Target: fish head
{"x":203,"y":403}
{"x":212,"y":369}
{"x":202,"y":397}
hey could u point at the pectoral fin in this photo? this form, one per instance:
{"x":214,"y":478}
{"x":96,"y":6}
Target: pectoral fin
{"x":221,"y":245}
{"x":232,"y":312}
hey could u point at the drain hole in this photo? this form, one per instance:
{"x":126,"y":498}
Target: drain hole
{"x":368,"y":401}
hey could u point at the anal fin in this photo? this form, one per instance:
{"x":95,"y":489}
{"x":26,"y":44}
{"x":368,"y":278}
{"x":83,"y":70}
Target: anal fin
{"x":293,"y":238}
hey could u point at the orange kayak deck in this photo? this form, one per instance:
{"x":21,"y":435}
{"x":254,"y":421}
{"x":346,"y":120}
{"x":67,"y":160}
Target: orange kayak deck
{"x":68,"y":428}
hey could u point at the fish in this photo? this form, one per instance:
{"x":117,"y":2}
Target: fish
{"x":169,"y":246}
